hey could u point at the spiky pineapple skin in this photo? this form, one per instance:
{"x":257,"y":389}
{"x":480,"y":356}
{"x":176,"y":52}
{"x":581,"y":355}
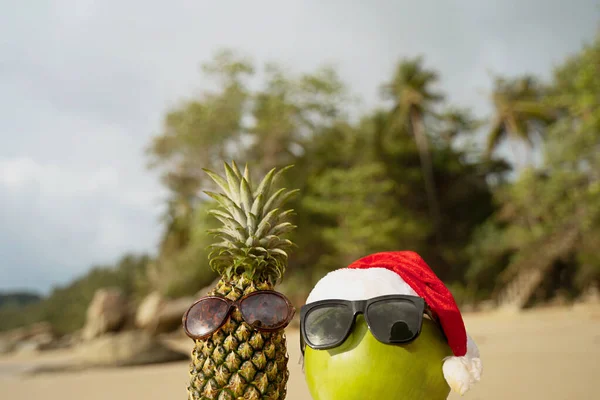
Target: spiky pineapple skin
{"x":239,"y":362}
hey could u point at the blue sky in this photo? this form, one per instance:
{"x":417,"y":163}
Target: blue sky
{"x":84,"y":86}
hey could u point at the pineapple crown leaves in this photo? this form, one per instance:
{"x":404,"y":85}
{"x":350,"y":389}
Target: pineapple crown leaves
{"x":253,"y":224}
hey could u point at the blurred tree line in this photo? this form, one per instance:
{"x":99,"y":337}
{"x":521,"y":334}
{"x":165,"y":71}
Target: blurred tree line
{"x":385,"y":179}
{"x":17,"y":299}
{"x":407,"y":175}
{"x":65,"y":307}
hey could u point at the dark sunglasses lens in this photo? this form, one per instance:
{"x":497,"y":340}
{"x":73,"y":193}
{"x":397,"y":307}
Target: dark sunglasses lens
{"x":325,"y":326}
{"x":394,"y":320}
{"x":265,"y":310}
{"x":206,"y":316}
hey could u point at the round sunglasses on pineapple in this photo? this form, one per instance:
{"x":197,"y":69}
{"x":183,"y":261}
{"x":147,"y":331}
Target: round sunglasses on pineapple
{"x":263,"y":310}
{"x":392,"y":319}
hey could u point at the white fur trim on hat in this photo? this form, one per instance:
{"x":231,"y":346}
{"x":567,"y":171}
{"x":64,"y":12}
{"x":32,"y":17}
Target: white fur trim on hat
{"x":358,"y":284}
{"x":361,"y":284}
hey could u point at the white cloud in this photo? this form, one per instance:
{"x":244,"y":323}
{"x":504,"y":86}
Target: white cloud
{"x":53,"y":180}
{"x":57,"y":220}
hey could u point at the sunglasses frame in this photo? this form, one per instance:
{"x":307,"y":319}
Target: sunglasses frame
{"x":237,"y":304}
{"x":361,"y":307}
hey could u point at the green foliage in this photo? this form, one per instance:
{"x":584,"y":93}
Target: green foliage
{"x":267,"y":129}
{"x":185,"y":271}
{"x":365,"y":186}
{"x":364,"y":216}
{"x":414,"y":99}
{"x":521,"y":112}
{"x":550,"y":217}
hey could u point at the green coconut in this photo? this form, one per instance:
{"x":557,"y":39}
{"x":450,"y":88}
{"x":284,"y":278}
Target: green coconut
{"x":364,"y":368}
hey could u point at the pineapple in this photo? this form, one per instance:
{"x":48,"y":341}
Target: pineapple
{"x":237,"y":361}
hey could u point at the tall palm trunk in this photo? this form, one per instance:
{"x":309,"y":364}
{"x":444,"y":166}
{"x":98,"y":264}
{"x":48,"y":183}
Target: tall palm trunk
{"x":416,"y":120}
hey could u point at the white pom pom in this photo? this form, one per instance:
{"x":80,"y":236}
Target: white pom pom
{"x":462,"y":373}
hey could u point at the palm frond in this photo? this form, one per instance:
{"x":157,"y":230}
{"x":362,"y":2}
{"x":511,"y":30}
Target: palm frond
{"x":496,"y":134}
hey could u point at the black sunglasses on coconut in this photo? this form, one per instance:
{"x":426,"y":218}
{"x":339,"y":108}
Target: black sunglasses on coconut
{"x":392,"y":319}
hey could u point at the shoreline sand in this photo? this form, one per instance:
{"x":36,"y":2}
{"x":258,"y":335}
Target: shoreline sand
{"x":549,"y":354}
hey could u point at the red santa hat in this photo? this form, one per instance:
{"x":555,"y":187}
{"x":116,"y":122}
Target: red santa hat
{"x":405,"y":272}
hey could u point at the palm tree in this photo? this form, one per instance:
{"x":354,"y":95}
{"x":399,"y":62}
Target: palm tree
{"x":410,"y":89}
{"x":520,"y":111}
{"x":456,"y":122}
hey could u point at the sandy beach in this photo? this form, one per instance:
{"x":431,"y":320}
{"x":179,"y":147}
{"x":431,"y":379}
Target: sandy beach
{"x":549,"y":354}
